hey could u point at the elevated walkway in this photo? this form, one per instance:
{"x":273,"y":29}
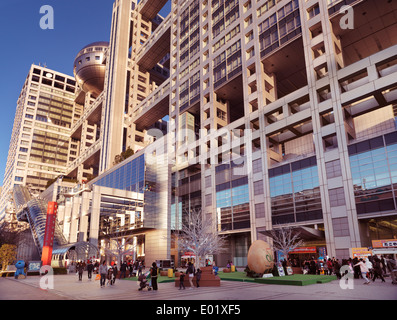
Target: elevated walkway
{"x":34,"y":211}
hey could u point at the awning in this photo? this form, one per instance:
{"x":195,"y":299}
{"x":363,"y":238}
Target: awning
{"x":305,"y":233}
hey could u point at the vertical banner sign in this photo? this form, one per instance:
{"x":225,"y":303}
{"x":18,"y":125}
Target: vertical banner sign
{"x":49,"y":233}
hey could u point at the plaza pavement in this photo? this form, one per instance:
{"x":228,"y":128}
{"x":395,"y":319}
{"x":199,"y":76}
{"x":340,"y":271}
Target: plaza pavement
{"x":67,"y":287}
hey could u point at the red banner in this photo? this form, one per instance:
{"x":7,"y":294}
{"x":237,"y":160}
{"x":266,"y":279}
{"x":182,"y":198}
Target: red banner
{"x":49,"y":233}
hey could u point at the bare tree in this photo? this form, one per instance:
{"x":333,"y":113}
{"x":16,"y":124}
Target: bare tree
{"x":118,"y":248}
{"x":199,"y":237}
{"x":285,"y":240}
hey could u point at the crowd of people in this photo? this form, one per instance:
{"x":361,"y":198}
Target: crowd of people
{"x":371,"y":267}
{"x":107,"y":274}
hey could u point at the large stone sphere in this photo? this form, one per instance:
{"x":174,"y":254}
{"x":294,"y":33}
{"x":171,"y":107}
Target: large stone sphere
{"x":260,"y":257}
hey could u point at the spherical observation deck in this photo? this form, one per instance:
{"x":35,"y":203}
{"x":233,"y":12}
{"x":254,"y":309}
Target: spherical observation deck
{"x":89,"y":67}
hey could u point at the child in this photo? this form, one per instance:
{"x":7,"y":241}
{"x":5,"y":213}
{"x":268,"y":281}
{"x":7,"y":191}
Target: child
{"x":198,"y":277}
{"x":181,"y":284}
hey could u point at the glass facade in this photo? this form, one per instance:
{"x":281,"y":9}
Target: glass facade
{"x":295,"y":192}
{"x":119,"y":215}
{"x":374,"y":171}
{"x":130,"y":177}
{"x":232,"y":203}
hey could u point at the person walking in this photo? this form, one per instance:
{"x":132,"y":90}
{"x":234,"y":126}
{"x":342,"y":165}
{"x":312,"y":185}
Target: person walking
{"x":110,"y":275}
{"x":190,"y":271}
{"x":370,"y":267}
{"x":115,"y":271}
{"x":153,"y":274}
{"x":198,"y":277}
{"x":90,"y":268}
{"x":80,"y":269}
{"x":181,"y":279}
{"x":140,"y":267}
{"x":364,"y":270}
{"x":337,"y":267}
{"x":377,"y":269}
{"x":103,"y":270}
{"x":330,"y":267}
{"x":123,"y":270}
{"x":131,"y":269}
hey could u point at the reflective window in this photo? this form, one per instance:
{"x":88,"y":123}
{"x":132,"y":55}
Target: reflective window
{"x":295,"y":192}
{"x":374,"y":171}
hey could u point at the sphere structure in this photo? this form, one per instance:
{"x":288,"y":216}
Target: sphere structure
{"x":260,"y":257}
{"x":89,"y":69}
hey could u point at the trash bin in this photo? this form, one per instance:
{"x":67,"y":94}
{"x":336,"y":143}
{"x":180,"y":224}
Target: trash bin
{"x":233,"y":268}
{"x":170,"y":273}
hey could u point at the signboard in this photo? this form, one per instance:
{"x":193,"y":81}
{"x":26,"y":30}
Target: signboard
{"x":361,"y":253}
{"x":304,"y":250}
{"x":280,"y":270}
{"x":391,"y":243}
{"x":289,"y":271}
{"x":34,"y":266}
{"x":48,"y":243}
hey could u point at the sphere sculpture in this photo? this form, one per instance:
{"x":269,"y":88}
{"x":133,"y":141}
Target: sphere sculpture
{"x":260,"y":257}
{"x":89,"y":69}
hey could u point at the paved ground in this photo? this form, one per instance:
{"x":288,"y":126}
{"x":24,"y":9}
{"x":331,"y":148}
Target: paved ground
{"x":67,"y":287}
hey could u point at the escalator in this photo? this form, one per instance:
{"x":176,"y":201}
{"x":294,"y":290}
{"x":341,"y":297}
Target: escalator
{"x":34,"y":211}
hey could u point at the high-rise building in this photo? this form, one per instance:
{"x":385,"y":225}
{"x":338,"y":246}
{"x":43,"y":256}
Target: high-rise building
{"x":274,"y":113}
{"x":39,"y":143}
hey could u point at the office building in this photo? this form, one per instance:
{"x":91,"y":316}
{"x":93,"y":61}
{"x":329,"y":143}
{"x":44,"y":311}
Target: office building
{"x":269,"y":114}
{"x":39,"y":144}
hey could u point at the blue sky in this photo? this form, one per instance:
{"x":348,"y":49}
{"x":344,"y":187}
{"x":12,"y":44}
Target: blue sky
{"x":76,"y":24}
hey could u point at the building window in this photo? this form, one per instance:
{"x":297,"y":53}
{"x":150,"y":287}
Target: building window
{"x":337,"y":197}
{"x":258,"y":187}
{"x":333,"y":169}
{"x":257,"y":166}
{"x":260,"y":210}
{"x":340,"y":227}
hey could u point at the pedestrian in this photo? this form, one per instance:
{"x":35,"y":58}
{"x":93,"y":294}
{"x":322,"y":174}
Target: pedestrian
{"x":123,"y":269}
{"x":140,"y":267}
{"x":330,"y":266}
{"x":80,"y":269}
{"x":90,"y":268}
{"x":198,"y":277}
{"x":383,"y":262}
{"x":131,"y":269}
{"x":103,"y":270}
{"x":337,"y":269}
{"x":392,"y":266}
{"x":190,"y":271}
{"x":370,"y":267}
{"x":364,"y":270}
{"x":377,"y":269}
{"x":115,"y":271}
{"x":110,"y":275}
{"x":181,"y":279}
{"x":153,"y":273}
